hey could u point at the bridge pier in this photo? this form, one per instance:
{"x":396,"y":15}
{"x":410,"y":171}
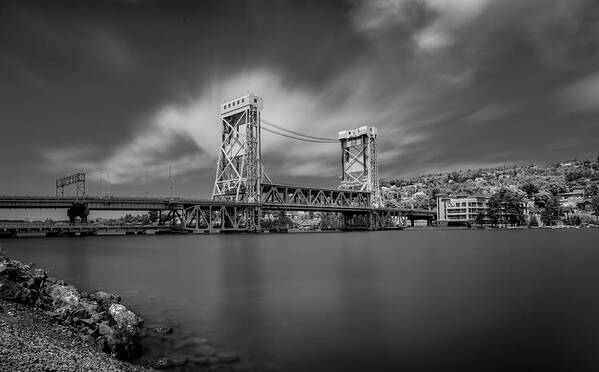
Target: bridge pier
{"x":78,"y":210}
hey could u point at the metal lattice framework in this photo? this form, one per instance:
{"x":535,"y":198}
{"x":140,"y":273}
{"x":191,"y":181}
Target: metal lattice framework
{"x":238,"y":170}
{"x":306,"y":197}
{"x":221,"y":217}
{"x":77,"y":179}
{"x":359,"y":162}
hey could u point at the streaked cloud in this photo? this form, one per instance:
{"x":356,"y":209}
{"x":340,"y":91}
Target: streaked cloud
{"x":125,"y":89}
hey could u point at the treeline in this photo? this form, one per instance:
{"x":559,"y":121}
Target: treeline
{"x":507,"y":208}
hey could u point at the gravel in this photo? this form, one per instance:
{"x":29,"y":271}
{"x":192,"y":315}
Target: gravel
{"x":31,"y":341}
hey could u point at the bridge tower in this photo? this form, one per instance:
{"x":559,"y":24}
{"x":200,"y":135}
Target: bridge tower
{"x":359,"y":163}
{"x":239,"y":170}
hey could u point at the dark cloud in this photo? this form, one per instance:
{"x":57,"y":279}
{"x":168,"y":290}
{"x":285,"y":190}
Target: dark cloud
{"x":450,"y":83}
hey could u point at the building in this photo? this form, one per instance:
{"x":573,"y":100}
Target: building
{"x":571,"y":199}
{"x":461,"y":207}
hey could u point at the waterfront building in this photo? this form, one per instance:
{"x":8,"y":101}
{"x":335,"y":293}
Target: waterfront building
{"x":571,"y":199}
{"x":461,"y":207}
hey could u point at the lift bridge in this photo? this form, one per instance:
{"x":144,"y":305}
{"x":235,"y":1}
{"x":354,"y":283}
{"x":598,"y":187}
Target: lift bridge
{"x":242,"y":190}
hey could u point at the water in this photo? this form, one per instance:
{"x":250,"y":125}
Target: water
{"x":363,"y":301}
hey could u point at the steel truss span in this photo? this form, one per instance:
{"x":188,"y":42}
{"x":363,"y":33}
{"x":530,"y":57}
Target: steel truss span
{"x":242,"y":191}
{"x":311,"y":198}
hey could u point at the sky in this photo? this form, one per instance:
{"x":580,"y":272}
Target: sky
{"x":123,"y":90}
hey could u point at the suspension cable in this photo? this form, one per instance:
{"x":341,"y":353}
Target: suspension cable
{"x":321,"y":139}
{"x":295,"y":137}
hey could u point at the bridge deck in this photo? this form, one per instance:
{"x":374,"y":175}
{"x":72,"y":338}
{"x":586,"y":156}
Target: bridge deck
{"x":167,"y":204}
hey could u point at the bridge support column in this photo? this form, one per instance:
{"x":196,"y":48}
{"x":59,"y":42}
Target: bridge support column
{"x":78,"y":210}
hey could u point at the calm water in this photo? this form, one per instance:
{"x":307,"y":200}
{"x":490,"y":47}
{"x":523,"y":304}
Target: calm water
{"x":363,"y":301}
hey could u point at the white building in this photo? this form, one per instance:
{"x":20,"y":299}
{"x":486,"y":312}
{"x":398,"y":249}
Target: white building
{"x":461,"y":207}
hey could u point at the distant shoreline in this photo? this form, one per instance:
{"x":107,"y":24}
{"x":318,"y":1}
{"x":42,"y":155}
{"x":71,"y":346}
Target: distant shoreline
{"x":408,"y":228}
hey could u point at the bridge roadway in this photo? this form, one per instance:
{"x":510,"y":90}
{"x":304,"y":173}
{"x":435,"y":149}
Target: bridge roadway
{"x":197,"y":211}
{"x":123,"y":203}
{"x":103,"y":203}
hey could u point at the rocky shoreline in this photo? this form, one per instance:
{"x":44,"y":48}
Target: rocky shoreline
{"x":30,"y":340}
{"x":46,"y":324}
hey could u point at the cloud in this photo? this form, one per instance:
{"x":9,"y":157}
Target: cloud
{"x":430,"y":22}
{"x":448,"y":83}
{"x":580,"y":95}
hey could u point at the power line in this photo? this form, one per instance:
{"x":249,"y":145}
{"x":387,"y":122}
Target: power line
{"x":322,"y":139}
{"x":295,"y":137}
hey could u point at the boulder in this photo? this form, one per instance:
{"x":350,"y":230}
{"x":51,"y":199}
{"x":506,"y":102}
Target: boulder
{"x":63,"y":295}
{"x":105,"y":299}
{"x":126,"y":320}
{"x":39,"y":275}
{"x":9,"y":290}
{"x":105,"y":329}
{"x":90,"y":307}
{"x":12,"y":291}
{"x":8,"y":270}
{"x":163,"y":330}
{"x":52,"y":280}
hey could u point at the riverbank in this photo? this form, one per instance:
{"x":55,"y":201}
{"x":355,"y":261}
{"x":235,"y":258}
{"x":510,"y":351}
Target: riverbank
{"x":46,"y":324}
{"x":30,"y":340}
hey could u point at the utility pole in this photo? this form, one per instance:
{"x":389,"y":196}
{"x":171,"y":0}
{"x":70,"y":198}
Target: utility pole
{"x":107,"y":183}
{"x":146,"y":183}
{"x":170,"y":183}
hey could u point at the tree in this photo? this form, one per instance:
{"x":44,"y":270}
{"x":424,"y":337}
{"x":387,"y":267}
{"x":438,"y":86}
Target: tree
{"x":595,"y":206}
{"x":533,"y":221}
{"x":330,"y":221}
{"x":480,"y":219}
{"x":550,"y":213}
{"x":530,"y":189}
{"x":507,"y":207}
{"x":593,"y":190}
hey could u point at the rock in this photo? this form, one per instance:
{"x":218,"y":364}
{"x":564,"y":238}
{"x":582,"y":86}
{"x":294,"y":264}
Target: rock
{"x":126,"y":320}
{"x":63,"y":295}
{"x":10,"y":290}
{"x":52,"y":314}
{"x":30,"y":283}
{"x":102,"y":344}
{"x":226,"y":358}
{"x":39,"y":276}
{"x":163,"y":363}
{"x":53,"y":280}
{"x":105,"y":329}
{"x":163,"y":330}
{"x":90,"y":306}
{"x":8,"y":270}
{"x":105,"y":299}
{"x":86,"y":338}
{"x":97,"y":317}
{"x":205,"y":350}
{"x":27,"y":296}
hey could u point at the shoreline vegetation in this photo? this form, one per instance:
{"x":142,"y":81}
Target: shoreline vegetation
{"x":46,"y":324}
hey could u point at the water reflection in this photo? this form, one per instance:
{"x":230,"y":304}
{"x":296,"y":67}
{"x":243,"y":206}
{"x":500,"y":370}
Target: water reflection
{"x":385,"y":301}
